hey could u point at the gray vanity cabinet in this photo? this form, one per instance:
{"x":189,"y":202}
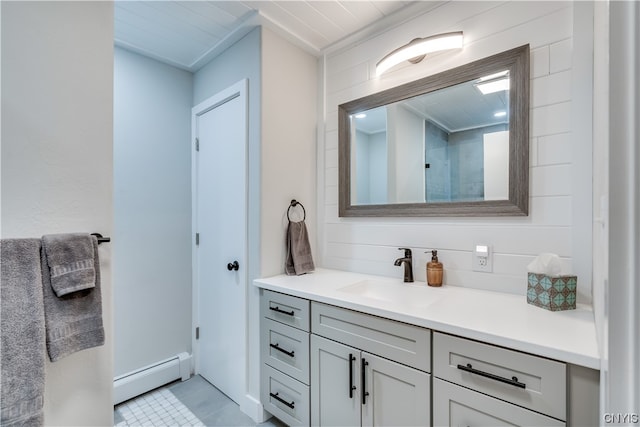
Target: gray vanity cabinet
{"x":352,"y":386}
{"x":324,"y":365}
{"x":484,"y":385}
{"x":394,"y":394}
{"x":285,"y":357}
{"x":335,"y":371}
{"x":459,"y":406}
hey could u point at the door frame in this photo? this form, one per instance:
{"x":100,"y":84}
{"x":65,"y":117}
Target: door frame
{"x":238,"y":89}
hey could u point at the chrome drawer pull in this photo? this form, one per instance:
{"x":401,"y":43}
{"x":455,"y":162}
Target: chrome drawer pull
{"x":289,"y":313}
{"x":513,"y":381}
{"x":288,"y":353}
{"x":281,"y":400}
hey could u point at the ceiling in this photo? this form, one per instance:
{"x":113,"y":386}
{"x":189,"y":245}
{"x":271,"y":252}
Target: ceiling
{"x":454,"y":109}
{"x":188,"y":34}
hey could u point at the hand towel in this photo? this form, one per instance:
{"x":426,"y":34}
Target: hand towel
{"x":73,"y":321}
{"x":70,"y":258}
{"x":299,"y":260}
{"x":22,"y":351}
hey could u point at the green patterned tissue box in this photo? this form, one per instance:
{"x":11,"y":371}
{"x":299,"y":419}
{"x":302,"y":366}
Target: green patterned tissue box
{"x":552,"y":293}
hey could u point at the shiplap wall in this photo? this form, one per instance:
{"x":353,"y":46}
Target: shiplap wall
{"x":371,"y":245}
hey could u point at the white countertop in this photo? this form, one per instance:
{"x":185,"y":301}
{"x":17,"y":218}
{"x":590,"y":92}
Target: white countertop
{"x":493,"y":317}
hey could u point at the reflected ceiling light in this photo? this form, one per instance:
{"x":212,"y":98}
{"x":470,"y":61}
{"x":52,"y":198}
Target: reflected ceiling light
{"x":493,"y":83}
{"x":500,"y":114}
{"x":360,"y":116}
{"x":416,"y":49}
{"x":493,"y":86}
{"x":493,"y":76}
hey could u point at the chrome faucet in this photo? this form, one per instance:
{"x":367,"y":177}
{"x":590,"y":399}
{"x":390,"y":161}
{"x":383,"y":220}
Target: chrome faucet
{"x":408,"y":266}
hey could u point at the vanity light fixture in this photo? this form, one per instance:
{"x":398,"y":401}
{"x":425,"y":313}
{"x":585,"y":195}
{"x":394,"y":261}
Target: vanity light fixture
{"x":416,"y":50}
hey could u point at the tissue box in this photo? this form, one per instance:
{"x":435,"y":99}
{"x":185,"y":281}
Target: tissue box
{"x":552,"y":293}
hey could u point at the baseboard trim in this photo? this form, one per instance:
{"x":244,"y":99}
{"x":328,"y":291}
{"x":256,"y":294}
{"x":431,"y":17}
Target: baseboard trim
{"x":150,"y":377}
{"x":253,"y":408}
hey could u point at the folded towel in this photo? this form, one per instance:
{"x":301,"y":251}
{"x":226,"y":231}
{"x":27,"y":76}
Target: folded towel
{"x":70,"y":258}
{"x":22,"y":349}
{"x":299,"y":260}
{"x":73,"y":321}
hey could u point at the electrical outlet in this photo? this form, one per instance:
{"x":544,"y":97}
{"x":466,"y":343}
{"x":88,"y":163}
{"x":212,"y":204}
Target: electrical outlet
{"x":482,"y":258}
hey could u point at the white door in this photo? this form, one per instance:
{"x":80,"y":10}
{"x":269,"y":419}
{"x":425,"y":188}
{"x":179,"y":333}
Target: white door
{"x":220,"y":219}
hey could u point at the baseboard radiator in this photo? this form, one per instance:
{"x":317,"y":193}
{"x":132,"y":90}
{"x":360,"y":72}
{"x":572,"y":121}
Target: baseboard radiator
{"x":150,"y":377}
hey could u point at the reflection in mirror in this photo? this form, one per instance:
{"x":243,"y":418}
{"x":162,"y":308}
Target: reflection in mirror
{"x":454,"y":143}
{"x":448,"y":145}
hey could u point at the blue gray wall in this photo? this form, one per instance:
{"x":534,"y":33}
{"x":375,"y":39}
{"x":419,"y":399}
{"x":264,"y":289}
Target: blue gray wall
{"x":152,"y":206}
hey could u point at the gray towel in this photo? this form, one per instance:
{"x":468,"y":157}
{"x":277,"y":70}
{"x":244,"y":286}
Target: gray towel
{"x":22,"y":331}
{"x":299,"y":260}
{"x":70,"y":259}
{"x":73,"y":321}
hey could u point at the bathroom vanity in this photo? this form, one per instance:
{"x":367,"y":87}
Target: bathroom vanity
{"x":341,"y":348}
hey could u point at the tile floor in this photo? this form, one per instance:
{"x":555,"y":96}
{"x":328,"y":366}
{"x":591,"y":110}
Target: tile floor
{"x":194,"y":403}
{"x":157,"y":408}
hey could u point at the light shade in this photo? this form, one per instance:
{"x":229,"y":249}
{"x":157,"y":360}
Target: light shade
{"x":416,"y":49}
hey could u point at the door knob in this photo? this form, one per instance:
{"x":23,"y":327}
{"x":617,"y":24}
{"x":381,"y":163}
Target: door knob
{"x":233,"y":266}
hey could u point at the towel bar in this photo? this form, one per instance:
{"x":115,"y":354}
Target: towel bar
{"x":101,"y":239}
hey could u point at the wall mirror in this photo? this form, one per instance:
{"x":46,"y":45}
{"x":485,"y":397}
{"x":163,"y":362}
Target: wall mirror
{"x":452,"y":144}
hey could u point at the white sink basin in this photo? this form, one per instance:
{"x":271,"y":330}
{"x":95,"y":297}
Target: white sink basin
{"x":394,"y":292}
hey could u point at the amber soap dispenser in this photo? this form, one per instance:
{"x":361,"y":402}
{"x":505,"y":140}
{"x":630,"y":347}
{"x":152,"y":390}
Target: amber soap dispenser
{"x":434,"y":270}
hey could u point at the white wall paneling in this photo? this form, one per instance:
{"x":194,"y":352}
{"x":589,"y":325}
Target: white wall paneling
{"x":370,"y":244}
{"x":582,"y":143}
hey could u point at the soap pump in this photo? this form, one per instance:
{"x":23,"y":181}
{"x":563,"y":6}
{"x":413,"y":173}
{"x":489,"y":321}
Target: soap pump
{"x":434,"y":270}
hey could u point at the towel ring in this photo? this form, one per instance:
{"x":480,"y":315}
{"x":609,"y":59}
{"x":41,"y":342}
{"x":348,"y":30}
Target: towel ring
{"x":295,"y":203}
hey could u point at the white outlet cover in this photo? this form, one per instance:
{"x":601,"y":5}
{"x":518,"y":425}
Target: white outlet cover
{"x":481,"y":260}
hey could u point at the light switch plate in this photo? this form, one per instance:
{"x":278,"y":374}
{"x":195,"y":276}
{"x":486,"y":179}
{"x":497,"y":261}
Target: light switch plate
{"x":482,"y":258}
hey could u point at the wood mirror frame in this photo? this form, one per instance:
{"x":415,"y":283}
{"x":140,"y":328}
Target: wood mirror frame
{"x":517,"y":62}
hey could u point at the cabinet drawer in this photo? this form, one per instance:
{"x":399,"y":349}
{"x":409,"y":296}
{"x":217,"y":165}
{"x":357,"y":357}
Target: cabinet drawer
{"x":286,"y":349}
{"x":458,"y":406}
{"x":286,"y":309}
{"x":526,"y":380}
{"x":284,"y":397}
{"x":406,"y":344}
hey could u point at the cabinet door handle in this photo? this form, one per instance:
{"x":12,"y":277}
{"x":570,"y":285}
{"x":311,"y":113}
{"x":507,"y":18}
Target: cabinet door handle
{"x":352,"y":358}
{"x":281,"y":400}
{"x":365,"y":393}
{"x":513,"y":381}
{"x":277,"y":347}
{"x":279,"y":310}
